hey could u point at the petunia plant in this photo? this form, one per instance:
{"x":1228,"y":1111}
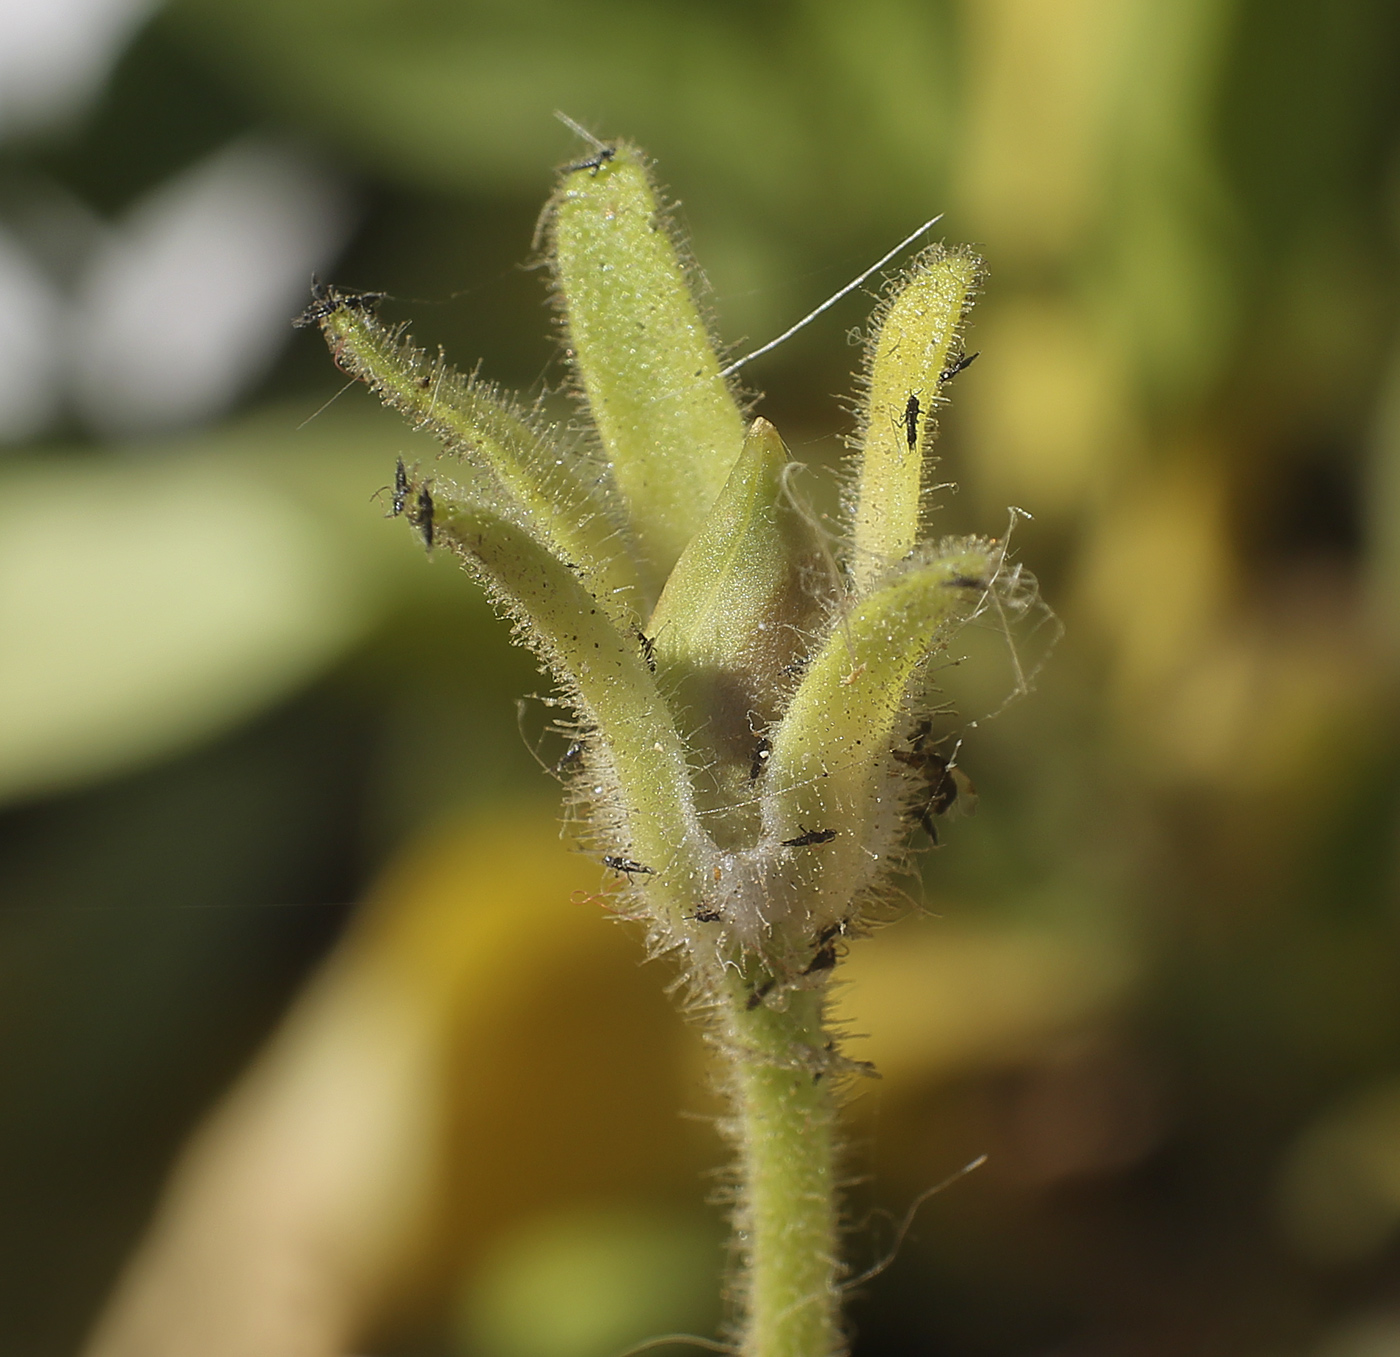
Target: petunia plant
{"x":753,"y":754}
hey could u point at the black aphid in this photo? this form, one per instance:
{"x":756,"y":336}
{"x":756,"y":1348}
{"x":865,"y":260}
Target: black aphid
{"x":826,"y":955}
{"x":401,"y":488}
{"x":569,"y":757}
{"x":626,"y":866}
{"x":953,"y":369}
{"x":760,"y":994}
{"x":648,"y":644}
{"x":943,"y":783}
{"x":327,"y":300}
{"x":810,"y":836}
{"x":596,"y":161}
{"x":760,"y":758}
{"x":911,"y":421}
{"x":422,"y":515}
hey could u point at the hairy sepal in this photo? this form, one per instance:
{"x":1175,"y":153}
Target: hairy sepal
{"x":557,"y":505}
{"x":647,"y":809}
{"x":914,"y":342}
{"x":734,"y":619}
{"x":828,"y":770}
{"x":669,"y":426}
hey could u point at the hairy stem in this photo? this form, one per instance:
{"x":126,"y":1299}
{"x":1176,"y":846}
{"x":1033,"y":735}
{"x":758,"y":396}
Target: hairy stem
{"x":785,"y":1125}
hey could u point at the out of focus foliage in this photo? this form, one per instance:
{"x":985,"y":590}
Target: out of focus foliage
{"x":1157,"y":979}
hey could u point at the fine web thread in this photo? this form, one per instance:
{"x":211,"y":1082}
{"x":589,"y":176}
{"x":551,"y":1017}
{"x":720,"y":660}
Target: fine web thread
{"x":832,"y":300}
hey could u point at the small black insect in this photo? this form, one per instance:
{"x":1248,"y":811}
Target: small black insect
{"x":911,"y":421}
{"x":400,"y":489}
{"x":327,"y":300}
{"x":596,"y":161}
{"x":964,"y":582}
{"x":760,"y":758}
{"x":626,"y":866}
{"x":944,"y":782}
{"x":421,"y":516}
{"x":826,"y":955}
{"x":648,"y":644}
{"x":810,"y":836}
{"x":706,"y":914}
{"x":569,"y":757}
{"x":952,"y":370}
{"x":760,"y":994}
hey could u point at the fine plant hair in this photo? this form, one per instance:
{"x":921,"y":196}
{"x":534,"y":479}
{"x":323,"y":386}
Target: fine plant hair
{"x":756,"y":747}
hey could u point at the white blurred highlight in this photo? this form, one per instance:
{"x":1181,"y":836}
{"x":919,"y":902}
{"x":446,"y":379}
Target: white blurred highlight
{"x":190,"y":298}
{"x":30,"y":309}
{"x":56,"y":54}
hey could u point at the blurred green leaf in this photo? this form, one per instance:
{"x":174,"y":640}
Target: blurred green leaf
{"x":589,"y":1283}
{"x":153,"y":600}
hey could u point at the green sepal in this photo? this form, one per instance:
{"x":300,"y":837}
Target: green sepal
{"x":556,"y":502}
{"x":914,"y":340}
{"x":600,"y":666}
{"x":669,"y":426}
{"x":828,"y":770}
{"x":737,"y":608}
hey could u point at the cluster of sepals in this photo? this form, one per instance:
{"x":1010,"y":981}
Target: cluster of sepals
{"x":750,"y":701}
{"x":753,"y":751}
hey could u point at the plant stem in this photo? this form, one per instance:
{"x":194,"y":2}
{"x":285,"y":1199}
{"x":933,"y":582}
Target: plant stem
{"x":785,"y":1225}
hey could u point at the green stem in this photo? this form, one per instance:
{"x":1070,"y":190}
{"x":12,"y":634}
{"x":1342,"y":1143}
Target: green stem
{"x":787,"y":1216}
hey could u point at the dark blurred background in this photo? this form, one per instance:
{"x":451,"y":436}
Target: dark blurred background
{"x":1156,"y":979}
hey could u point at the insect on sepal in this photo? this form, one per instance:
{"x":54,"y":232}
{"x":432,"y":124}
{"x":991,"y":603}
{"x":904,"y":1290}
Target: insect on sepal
{"x":514,"y":465}
{"x":913,"y":351}
{"x":669,"y":425}
{"x":829,"y":752}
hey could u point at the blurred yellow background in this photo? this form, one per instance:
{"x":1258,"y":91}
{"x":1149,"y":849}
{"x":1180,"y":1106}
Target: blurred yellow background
{"x":318,"y":1040}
